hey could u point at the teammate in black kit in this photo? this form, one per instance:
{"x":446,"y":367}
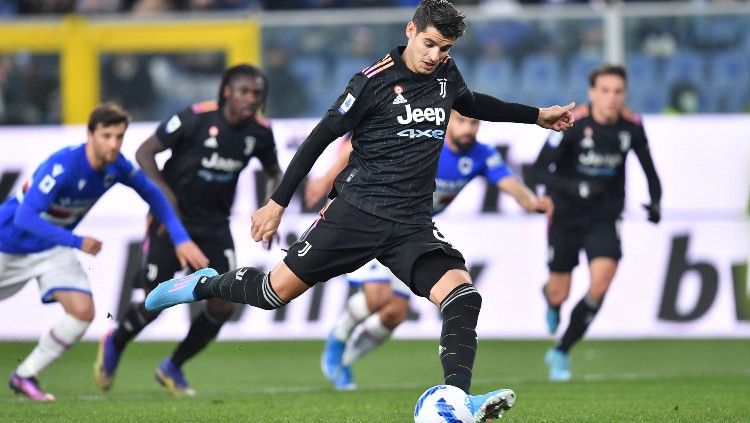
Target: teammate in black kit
{"x":584,"y":170}
{"x":211,"y":143}
{"x":397,"y":110}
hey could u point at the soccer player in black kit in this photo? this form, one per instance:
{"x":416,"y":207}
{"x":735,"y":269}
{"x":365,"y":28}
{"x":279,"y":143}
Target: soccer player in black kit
{"x":397,"y":110}
{"x":211,"y":143}
{"x":584,"y":171}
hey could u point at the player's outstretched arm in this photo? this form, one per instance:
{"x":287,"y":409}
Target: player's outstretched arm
{"x":654,"y":184}
{"x":524,"y":197}
{"x":486,"y":107}
{"x":557,"y":118}
{"x":266,"y":220}
{"x":274,"y":174}
{"x":146,"y":158}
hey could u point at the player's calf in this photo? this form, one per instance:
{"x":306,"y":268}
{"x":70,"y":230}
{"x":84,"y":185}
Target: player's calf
{"x":246,"y":285}
{"x":458,"y":339}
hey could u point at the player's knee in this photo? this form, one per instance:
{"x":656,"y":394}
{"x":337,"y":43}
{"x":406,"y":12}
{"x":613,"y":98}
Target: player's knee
{"x":377,"y":296}
{"x":556,"y":295}
{"x":431,"y":268}
{"x":464,"y":295}
{"x":83,"y":310}
{"x":474,"y":299}
{"x":394,"y":313}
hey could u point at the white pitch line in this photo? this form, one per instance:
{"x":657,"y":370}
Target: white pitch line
{"x":506,"y":382}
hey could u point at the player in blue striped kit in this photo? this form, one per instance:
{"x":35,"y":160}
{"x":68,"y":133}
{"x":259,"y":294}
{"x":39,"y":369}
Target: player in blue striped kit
{"x":37,"y":239}
{"x":372,"y":314}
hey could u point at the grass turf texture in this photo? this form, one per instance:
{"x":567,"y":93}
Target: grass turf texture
{"x":633,"y":381}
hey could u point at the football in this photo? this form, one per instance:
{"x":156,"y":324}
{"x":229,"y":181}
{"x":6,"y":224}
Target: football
{"x":441,"y":404}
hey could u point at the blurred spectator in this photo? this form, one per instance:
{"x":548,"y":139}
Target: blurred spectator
{"x":29,"y":89}
{"x":126,"y":81}
{"x":45,"y":7}
{"x":591,"y":41}
{"x":184,"y":78}
{"x":508,"y":38}
{"x":713,"y":33}
{"x":98,"y":6}
{"x":153,"y":6}
{"x":659,"y":43}
{"x":288,"y":98}
{"x":285,"y":4}
{"x":684,"y":98}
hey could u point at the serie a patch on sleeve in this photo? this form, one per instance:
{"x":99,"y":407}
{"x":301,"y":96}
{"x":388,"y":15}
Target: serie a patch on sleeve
{"x":347,"y":104}
{"x":173,"y":124}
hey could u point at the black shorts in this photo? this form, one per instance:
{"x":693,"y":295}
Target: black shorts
{"x":161,"y":262}
{"x":344,"y":238}
{"x":567,"y":236}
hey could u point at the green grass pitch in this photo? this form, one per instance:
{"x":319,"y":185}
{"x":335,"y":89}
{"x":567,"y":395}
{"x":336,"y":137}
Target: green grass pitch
{"x":613,"y":381}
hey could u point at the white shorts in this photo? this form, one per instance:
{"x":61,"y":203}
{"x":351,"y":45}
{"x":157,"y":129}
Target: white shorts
{"x":375,"y":272}
{"x":56,"y":269}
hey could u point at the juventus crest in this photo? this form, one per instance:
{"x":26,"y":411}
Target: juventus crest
{"x":443,"y":83}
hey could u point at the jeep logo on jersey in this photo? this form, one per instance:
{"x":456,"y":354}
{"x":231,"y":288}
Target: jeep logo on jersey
{"x":221,"y":163}
{"x":418,"y":133}
{"x":600,"y":160}
{"x":430,"y":114}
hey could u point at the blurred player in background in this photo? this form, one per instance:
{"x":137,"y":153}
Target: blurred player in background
{"x":397,"y":110}
{"x":373,"y":313}
{"x":210,"y":143}
{"x":584,"y":171}
{"x":37,"y":242}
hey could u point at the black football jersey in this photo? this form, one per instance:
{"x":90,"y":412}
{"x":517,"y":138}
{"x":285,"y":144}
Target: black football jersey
{"x":594,"y":153}
{"x":208,"y":155}
{"x":398,"y":120}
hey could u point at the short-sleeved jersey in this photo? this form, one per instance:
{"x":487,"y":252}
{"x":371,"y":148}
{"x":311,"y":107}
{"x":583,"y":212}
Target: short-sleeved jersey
{"x":208,"y":155}
{"x":398,"y":120}
{"x":456,"y":169}
{"x":594,"y":152}
{"x":61,"y":190}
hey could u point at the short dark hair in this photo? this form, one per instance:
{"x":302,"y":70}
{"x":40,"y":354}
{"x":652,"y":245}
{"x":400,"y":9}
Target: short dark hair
{"x":108,"y":114}
{"x":442,"y":15}
{"x":608,"y":69}
{"x":243,"y":69}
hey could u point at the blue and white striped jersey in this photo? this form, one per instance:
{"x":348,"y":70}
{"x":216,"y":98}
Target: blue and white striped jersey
{"x":60,"y":193}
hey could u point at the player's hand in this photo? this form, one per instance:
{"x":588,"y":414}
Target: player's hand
{"x":189,"y":254}
{"x":268,"y":244}
{"x":544,"y":204}
{"x":315,"y":190}
{"x":557,"y":118}
{"x":654,"y":212}
{"x":91,"y":246}
{"x":265,"y":221}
